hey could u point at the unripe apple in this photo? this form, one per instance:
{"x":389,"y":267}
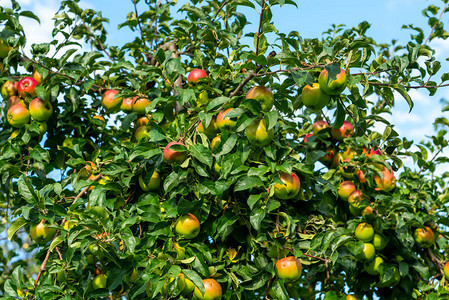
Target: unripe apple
{"x":345,"y":189}
{"x":41,"y":232}
{"x":172,"y":156}
{"x":152,"y":185}
{"x":9,"y":89}
{"x":187,"y":226}
{"x":368,"y":252}
{"x":215,"y":143}
{"x":211,"y":130}
{"x":142,"y":133}
{"x":67,"y":142}
{"x":4,"y":49}
{"x":223,"y":122}
{"x":257,"y":133}
{"x":127,"y":104}
{"x":69,"y":224}
{"x":40,"y":110}
{"x":99,"y":282}
{"x":424,"y":237}
{"x":345,"y":131}
{"x":355,"y":211}
{"x":212,"y":290}
{"x":314,"y":98}
{"x":319,"y":125}
{"x":37,"y":76}
{"x":288,"y":268}
{"x":26,"y":86}
{"x":202,"y":99}
{"x":196,"y":75}
{"x":373,"y":266}
{"x":180,"y":252}
{"x":364,"y":232}
{"x":355,"y":198}
{"x":142,"y":121}
{"x":189,"y":287}
{"x":379,"y":241}
{"x":140,"y":105}
{"x":263,"y":95}
{"x":18,"y":115}
{"x":387,"y":182}
{"x":328,"y":157}
{"x":61,"y":276}
{"x":289,"y":187}
{"x":332,"y":87}
{"x":110,"y":103}
{"x":446,"y":270}
{"x":181,"y":284}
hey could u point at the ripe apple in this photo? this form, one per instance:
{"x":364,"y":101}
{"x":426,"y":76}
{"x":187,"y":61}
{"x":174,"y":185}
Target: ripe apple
{"x":263,"y":95}
{"x":142,"y":121}
{"x":12,"y":101}
{"x":26,"y":86}
{"x":355,"y":198}
{"x":257,"y":133}
{"x":127,"y":104}
{"x":210,"y":131}
{"x":364,"y":232}
{"x":345,"y":189}
{"x":319,"y":125}
{"x":345,"y":131}
{"x":172,"y":156}
{"x":446,"y":270}
{"x":368,"y":252}
{"x":328,"y":157}
{"x":289,"y":188}
{"x":18,"y":115}
{"x":424,"y":237}
{"x":360,"y":176}
{"x":332,"y":87}
{"x":99,"y":282}
{"x":379,"y":241}
{"x":40,"y":110}
{"x":140,"y":105}
{"x":223,"y":122}
{"x":387,"y":182}
{"x":9,"y":89}
{"x":41,"y":232}
{"x":142,"y":133}
{"x":288,"y":268}
{"x":373,"y":266}
{"x":314,"y":98}
{"x":212,"y":290}
{"x":37,"y":76}
{"x":187,"y":226}
{"x":215,"y":143}
{"x":153,"y":184}
{"x":110,"y":103}
{"x":196,"y":75}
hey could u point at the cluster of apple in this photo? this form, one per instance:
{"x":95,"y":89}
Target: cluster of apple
{"x":22,"y":104}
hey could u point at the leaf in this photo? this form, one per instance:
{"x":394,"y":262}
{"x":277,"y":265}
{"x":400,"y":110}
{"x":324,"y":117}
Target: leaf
{"x":271,"y":119}
{"x":247,"y":183}
{"x":145,"y":151}
{"x":26,"y":190}
{"x":30,"y":15}
{"x":15,"y":226}
{"x":256,"y":218}
{"x":196,"y":279}
{"x":202,"y":153}
{"x":401,"y":90}
{"x":217,"y":102}
{"x":56,"y":241}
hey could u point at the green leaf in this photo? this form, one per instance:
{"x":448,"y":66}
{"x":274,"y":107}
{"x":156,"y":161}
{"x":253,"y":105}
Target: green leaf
{"x":256,"y":218}
{"x":401,"y":90}
{"x":247,"y":183}
{"x":195,"y":278}
{"x":15,"y":226}
{"x":202,"y":153}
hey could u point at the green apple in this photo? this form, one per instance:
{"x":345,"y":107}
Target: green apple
{"x":211,"y":130}
{"x":288,"y":268}
{"x":4,"y":49}
{"x":379,"y":241}
{"x":189,"y":287}
{"x":332,"y":86}
{"x":99,"y":282}
{"x":142,"y":133}
{"x":314,"y":98}
{"x":42,"y":233}
{"x":424,"y":237}
{"x":289,"y":187}
{"x":9,"y":89}
{"x":257,"y":133}
{"x":187,"y":226}
{"x":212,"y":290}
{"x":152,"y":185}
{"x":364,"y":232}
{"x":372,"y":266}
{"x":263,"y":95}
{"x":40,"y":110}
{"x":215,"y":143}
{"x":367,"y":253}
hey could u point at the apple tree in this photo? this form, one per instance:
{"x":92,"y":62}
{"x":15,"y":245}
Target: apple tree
{"x":211,"y":158}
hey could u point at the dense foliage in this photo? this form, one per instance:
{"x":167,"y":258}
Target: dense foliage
{"x":95,"y":205}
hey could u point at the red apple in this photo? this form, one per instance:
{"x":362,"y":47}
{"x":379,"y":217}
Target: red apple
{"x":289,"y":187}
{"x":187,"y":226}
{"x":288,"y":268}
{"x":26,"y":86}
{"x":345,"y":131}
{"x":387,"y":182}
{"x":332,"y":86}
{"x":40,"y":110}
{"x":424,"y":237}
{"x":263,"y":95}
{"x":257,"y":133}
{"x":213,"y":290}
{"x":111,"y":103}
{"x":224,"y":122}
{"x":314,"y":98}
{"x":355,"y":198}
{"x":9,"y":89}
{"x":345,"y":189}
{"x":305,"y":138}
{"x":196,"y":75}
{"x":140,"y":105}
{"x":127,"y":104}
{"x":172,"y":156}
{"x":18,"y":115}
{"x":364,"y":232}
{"x":319,"y":125}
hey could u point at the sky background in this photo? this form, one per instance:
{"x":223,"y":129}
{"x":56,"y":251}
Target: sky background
{"x":310,"y":19}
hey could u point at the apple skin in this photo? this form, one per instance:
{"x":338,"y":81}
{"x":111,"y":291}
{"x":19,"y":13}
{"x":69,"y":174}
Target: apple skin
{"x":196,"y":75}
{"x":211,"y":130}
{"x":172,"y":156}
{"x":27,"y":85}
{"x":4,"y":49}
{"x":142,"y":121}
{"x":213,"y":290}
{"x":189,"y":287}
{"x":127,"y":104}
{"x":37,"y":76}
{"x":355,"y":198}
{"x":140,"y":105}
{"x":153,"y":185}
{"x":40,"y":110}
{"x":263,"y":95}
{"x":142,"y":133}
{"x":379,"y":241}
{"x":99,"y":282}
{"x":13,"y":100}
{"x":345,"y":189}
{"x":328,"y":157}
{"x":352,"y":297}
{"x":387,"y":183}
{"x":361,"y":176}
{"x":215,"y":143}
{"x":289,"y":188}
{"x":9,"y":89}
{"x":18,"y":115}
{"x":187,"y":226}
{"x":424,"y":237}
{"x":314,"y":98}
{"x":346,"y":130}
{"x":368,"y":252}
{"x":334,"y":87}
{"x":364,"y":232}
{"x":41,"y":232}
{"x":223,"y":122}
{"x":446,"y":270}
{"x":373,"y":266}
{"x":307,"y":136}
{"x":109,"y":102}
{"x":288,"y":268}
{"x":319,"y":125}
{"x":257,"y":133}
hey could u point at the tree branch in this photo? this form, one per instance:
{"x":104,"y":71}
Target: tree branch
{"x":219,"y":9}
{"x":260,"y":27}
{"x":439,"y":265}
{"x":435,"y":25}
{"x":138,"y":24}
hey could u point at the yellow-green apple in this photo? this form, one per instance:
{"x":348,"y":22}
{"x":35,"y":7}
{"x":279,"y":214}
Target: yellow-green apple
{"x":387,"y":182}
{"x":180,"y":252}
{"x":355,"y":199}
{"x":181,"y":284}
{"x":224,"y":122}
{"x":140,"y":105}
{"x":4,"y":49}
{"x":12,"y":101}
{"x":110,"y":102}
{"x":379,"y":241}
{"x":196,"y":75}
{"x":18,"y":115}
{"x":372,"y":267}
{"x":173,"y":156}
{"x":189,"y":287}
{"x":364,"y":232}
{"x":367,"y":253}
{"x":335,"y":86}
{"x":288,"y":268}
{"x":99,"y":282}
{"x":202,"y":99}
{"x":142,"y":133}
{"x":211,"y":130}
{"x":212,"y":291}
{"x":40,"y":110}
{"x":355,"y":211}
{"x":9,"y":89}
{"x":42,"y":232}
{"x":61,"y":276}
{"x":345,"y":131}
{"x":67,"y":142}
{"x":263,"y":95}
{"x":314,"y":98}
{"x":152,"y":185}
{"x":289,"y":187}
{"x":319,"y":125}
{"x":127,"y":104}
{"x":26,"y":86}
{"x":37,"y":76}
{"x":446,"y":270}
{"x":424,"y":237}
{"x":187,"y":226}
{"x":215,"y":143}
{"x":345,"y":189}
{"x":352,"y":297}
{"x":257,"y":133}
{"x":69,"y":224}
{"x":142,"y":121}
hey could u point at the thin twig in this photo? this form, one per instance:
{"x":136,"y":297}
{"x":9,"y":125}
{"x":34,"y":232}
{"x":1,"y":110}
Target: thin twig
{"x":219,"y":9}
{"x":260,"y":27}
{"x":435,"y":25}
{"x":138,"y":23}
